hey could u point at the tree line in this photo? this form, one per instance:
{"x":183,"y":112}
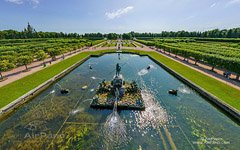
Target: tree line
{"x":30,"y":32}
{"x":216,"y":33}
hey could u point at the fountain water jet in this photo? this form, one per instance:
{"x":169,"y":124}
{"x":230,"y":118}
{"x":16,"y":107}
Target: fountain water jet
{"x":114,"y":128}
{"x":80,"y":108}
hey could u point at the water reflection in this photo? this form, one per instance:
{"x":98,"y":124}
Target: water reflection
{"x":154,"y":115}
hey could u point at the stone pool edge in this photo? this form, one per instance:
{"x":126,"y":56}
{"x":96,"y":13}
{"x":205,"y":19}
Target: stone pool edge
{"x":222,"y":105}
{"x":11,"y":107}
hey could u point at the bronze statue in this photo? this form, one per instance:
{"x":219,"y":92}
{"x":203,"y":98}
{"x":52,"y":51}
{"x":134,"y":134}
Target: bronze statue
{"x":118,"y":69}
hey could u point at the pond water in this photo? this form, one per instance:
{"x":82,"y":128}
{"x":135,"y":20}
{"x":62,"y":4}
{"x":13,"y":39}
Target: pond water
{"x":54,"y":121}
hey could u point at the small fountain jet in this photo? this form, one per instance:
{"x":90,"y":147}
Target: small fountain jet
{"x":90,"y":67}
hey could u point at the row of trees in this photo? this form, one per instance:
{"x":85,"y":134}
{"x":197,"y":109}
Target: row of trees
{"x":15,"y":57}
{"x":27,"y":59}
{"x":12,"y":34}
{"x":30,"y":32}
{"x":216,"y":33}
{"x":110,"y":36}
{"x":214,"y":60}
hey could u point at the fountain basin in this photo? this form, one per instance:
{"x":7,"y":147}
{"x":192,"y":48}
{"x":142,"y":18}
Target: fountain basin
{"x":130,"y":100}
{"x":130,"y":104}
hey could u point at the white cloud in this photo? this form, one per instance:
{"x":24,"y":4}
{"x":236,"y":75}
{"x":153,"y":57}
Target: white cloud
{"x":35,"y":1}
{"x":231,"y":2}
{"x":118,"y":13}
{"x":18,"y":2}
{"x":213,"y":5}
{"x":15,"y":1}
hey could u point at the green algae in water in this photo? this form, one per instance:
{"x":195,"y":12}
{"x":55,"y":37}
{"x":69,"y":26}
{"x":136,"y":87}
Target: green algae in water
{"x":55,"y":121}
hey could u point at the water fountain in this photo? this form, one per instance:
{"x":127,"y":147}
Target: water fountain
{"x":114,"y":128}
{"x":80,"y":108}
{"x":130,"y":97}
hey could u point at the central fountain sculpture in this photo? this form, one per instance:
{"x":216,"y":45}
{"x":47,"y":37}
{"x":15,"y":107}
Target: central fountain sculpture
{"x":126,"y":95}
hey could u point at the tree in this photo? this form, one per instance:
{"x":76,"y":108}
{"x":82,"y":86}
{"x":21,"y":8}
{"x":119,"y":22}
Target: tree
{"x":112,"y":36}
{"x":71,"y":50}
{"x":127,"y":36}
{"x":63,"y":51}
{"x":25,"y":60}
{"x":53,"y":53}
{"x":5,"y":65}
{"x":41,"y":56}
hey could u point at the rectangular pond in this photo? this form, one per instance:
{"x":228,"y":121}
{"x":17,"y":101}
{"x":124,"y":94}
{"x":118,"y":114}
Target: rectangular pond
{"x":53,"y":121}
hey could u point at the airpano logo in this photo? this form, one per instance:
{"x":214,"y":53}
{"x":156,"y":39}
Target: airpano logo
{"x":212,"y":140}
{"x":43,"y":135}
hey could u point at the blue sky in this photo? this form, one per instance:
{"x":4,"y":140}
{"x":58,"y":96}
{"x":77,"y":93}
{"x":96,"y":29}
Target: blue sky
{"x":119,"y":16}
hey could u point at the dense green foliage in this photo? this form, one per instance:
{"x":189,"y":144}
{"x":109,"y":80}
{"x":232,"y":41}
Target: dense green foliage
{"x":110,"y":36}
{"x":216,"y":33}
{"x":127,"y":36}
{"x":13,"y":49}
{"x":233,"y":40}
{"x":41,"y":55}
{"x":221,"y":54}
{"x":4,"y":66}
{"x":94,"y":36}
{"x":30,"y":32}
{"x":25,"y":60}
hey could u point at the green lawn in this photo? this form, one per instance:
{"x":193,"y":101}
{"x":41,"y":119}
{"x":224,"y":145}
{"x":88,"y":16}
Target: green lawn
{"x":16,"y":89}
